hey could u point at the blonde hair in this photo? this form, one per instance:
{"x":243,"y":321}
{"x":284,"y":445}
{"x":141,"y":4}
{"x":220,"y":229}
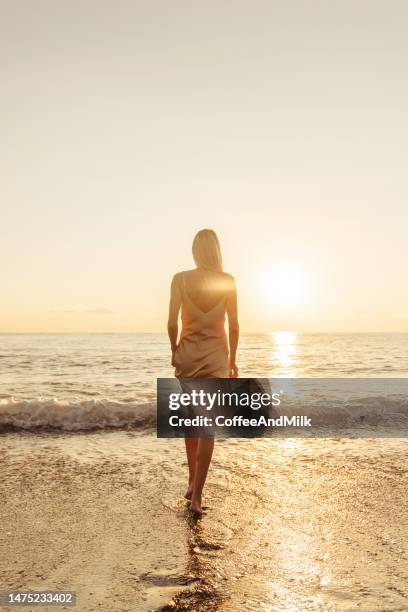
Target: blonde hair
{"x":207,"y":251}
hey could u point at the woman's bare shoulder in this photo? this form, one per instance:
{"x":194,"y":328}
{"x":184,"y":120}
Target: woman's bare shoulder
{"x":228,"y":279}
{"x":180,"y":277}
{"x":177,"y":278}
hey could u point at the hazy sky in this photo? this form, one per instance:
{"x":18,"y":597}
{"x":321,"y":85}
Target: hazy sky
{"x":127,"y":126}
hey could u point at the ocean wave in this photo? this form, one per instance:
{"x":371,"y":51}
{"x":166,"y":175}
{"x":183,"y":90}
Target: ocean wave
{"x":376,"y":411}
{"x":75,"y":415}
{"x":93,"y":414}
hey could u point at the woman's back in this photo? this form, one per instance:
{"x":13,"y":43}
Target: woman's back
{"x":206,"y":288}
{"x":205,"y":297}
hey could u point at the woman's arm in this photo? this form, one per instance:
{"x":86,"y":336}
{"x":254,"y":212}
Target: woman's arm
{"x":233,"y":329}
{"x":174,"y":309}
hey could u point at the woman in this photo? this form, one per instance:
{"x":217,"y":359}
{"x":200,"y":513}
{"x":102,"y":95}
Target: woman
{"x":205,"y":295}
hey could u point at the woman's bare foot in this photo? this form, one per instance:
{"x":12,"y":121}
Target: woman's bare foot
{"x":189,"y":492}
{"x":195,"y":506}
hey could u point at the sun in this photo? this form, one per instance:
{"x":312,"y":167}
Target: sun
{"x":285,"y":285}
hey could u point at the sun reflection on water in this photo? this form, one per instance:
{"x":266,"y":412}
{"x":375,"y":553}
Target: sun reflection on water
{"x":284,"y":352}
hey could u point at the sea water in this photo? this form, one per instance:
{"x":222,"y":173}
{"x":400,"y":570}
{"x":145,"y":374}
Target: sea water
{"x":75,"y":381}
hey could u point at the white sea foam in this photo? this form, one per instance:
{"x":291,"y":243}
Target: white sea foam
{"x":73,"y":415}
{"x":92,"y":414}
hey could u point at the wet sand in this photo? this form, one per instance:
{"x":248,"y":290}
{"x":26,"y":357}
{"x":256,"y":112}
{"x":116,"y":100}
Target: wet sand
{"x":290,"y":524}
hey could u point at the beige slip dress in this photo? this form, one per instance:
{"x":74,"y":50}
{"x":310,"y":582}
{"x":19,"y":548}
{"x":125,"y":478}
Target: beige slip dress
{"x":203,"y":348}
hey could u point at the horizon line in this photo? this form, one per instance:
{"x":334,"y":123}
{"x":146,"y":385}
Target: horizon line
{"x":275,"y":331}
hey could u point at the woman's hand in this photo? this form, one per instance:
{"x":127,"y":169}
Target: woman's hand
{"x":233,"y":368}
{"x":173,"y":352}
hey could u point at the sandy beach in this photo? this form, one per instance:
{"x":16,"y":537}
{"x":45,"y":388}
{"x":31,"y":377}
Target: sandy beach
{"x":289,"y":524}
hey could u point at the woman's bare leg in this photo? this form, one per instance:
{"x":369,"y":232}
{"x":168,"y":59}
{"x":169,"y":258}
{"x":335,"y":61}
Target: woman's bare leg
{"x":191,"y":451}
{"x":205,"y":449}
